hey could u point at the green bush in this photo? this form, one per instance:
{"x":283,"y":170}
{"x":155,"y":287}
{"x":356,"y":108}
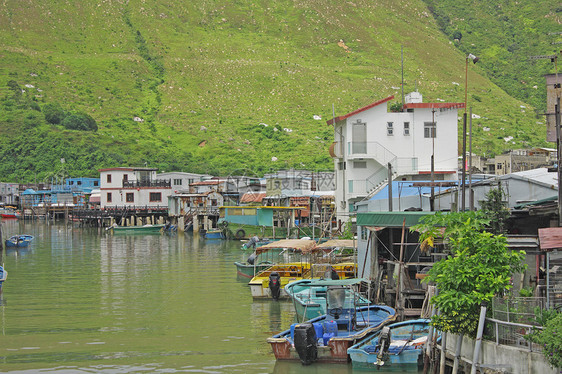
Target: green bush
{"x":80,"y":121}
{"x":53,"y":113}
{"x":550,"y":338}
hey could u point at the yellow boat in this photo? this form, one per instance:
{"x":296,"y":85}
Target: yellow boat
{"x":270,"y":283}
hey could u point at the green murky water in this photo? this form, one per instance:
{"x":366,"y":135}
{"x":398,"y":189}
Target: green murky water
{"x":84,"y":301}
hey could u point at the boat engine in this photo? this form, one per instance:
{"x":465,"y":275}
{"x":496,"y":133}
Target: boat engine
{"x":383,"y":345}
{"x":275,"y":285}
{"x":305,"y":343}
{"x":252,"y":258}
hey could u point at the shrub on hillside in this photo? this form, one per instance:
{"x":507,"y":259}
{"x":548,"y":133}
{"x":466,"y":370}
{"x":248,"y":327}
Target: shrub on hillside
{"x":54,"y":113}
{"x":80,"y":121}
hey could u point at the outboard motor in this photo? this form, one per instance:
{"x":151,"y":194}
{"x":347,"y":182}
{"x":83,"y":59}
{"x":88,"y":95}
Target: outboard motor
{"x":252,"y":258}
{"x":275,"y":285}
{"x":383,"y":345}
{"x":305,"y":343}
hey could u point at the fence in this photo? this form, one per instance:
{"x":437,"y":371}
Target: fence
{"x":513,"y":320}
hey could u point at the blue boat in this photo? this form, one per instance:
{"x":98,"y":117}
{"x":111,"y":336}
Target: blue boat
{"x":3,"y":275}
{"x":214,"y":234}
{"x":395,"y":347}
{"x":19,"y":241}
{"x":309,"y":296}
{"x":328,"y":337}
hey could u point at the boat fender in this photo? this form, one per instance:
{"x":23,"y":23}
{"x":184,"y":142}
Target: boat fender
{"x":306,"y":343}
{"x":275,"y":285}
{"x":240,"y":234}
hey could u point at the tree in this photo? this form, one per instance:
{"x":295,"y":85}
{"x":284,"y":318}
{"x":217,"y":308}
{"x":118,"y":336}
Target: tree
{"x":457,"y":35}
{"x":480,"y":266}
{"x":54,"y":113}
{"x":80,"y":121}
{"x":496,"y":210}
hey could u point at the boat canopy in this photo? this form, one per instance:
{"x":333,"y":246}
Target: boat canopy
{"x":301,"y":245}
{"x":338,"y":243}
{"x":329,"y":282}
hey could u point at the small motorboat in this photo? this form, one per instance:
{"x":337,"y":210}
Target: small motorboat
{"x":19,"y":241}
{"x":3,"y":275}
{"x":395,"y":347}
{"x":328,"y":337}
{"x":309,"y":296}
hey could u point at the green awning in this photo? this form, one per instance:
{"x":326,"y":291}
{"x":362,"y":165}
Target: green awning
{"x":390,"y":219}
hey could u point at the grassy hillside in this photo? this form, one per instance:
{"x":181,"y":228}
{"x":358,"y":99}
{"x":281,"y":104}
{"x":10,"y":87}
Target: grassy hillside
{"x":203,"y":79}
{"x":506,"y":34}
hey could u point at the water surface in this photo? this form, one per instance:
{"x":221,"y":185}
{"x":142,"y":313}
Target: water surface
{"x":80,"y":300}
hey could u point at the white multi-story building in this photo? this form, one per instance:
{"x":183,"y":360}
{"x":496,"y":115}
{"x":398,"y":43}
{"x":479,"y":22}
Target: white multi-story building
{"x":180,"y":181}
{"x":133,"y":187}
{"x":370,"y":141}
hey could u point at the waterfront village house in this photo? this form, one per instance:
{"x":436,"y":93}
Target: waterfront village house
{"x":369,"y":141}
{"x":200,"y":210}
{"x":180,"y":181}
{"x":133,"y":187}
{"x":9,"y":194}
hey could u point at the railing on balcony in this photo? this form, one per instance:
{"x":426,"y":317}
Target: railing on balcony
{"x":148,"y":183}
{"x":372,"y":150}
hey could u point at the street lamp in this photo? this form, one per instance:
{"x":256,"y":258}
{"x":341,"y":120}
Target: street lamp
{"x":474,"y":59}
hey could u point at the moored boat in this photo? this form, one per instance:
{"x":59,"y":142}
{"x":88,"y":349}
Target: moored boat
{"x":214,"y":234}
{"x":395,"y":347}
{"x":328,"y":337}
{"x":271,"y":281}
{"x":8,"y":212}
{"x":3,"y":275}
{"x":145,"y":229}
{"x":309,"y":296}
{"x":19,"y":240}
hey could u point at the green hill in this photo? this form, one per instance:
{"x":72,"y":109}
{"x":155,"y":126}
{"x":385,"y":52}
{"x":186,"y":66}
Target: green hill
{"x":191,"y":86}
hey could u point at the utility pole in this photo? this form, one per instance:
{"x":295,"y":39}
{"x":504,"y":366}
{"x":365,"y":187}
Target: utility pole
{"x":554,"y":59}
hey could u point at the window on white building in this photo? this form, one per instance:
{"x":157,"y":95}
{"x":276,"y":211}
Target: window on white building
{"x":360,"y":164}
{"x":109,"y":197}
{"x":177,"y":182}
{"x":359,"y":137}
{"x":429,"y":130}
{"x":407,"y":128}
{"x":389,"y":128}
{"x":130,"y":197}
{"x":155,"y":197}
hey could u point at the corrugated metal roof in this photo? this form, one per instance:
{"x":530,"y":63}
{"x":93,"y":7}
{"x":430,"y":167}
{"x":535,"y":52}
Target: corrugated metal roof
{"x":550,"y":238}
{"x":252,"y":197}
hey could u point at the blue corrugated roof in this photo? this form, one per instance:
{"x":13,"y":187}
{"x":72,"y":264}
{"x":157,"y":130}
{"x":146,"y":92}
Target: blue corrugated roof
{"x":406,"y":188}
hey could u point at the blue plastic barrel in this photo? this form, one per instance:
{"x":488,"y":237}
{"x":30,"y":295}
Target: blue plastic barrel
{"x":293,"y":331}
{"x":331,"y":327}
{"x":327,"y":336}
{"x":319,"y":329}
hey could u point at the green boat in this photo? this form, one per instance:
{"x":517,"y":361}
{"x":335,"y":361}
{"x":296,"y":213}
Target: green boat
{"x":309,"y":296}
{"x":146,"y":229}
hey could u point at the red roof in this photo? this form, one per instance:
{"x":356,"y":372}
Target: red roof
{"x":340,"y":118}
{"x":252,"y":197}
{"x":205,"y":183}
{"x":434,"y":105}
